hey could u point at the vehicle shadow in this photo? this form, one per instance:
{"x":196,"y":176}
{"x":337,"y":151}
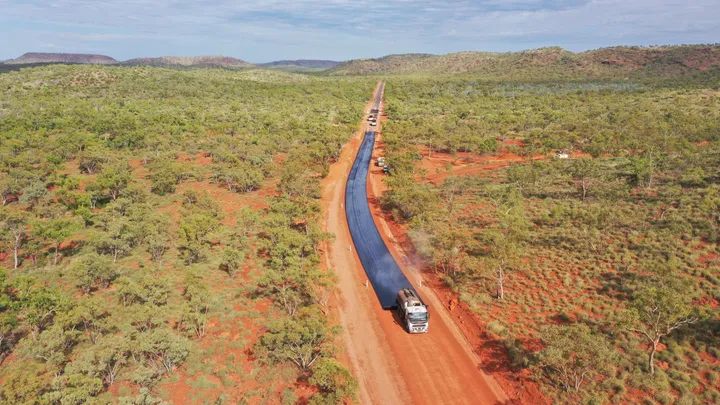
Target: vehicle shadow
{"x":396,"y":319}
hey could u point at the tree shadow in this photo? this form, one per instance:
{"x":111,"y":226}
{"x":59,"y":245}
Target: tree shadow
{"x":619,"y":285}
{"x":706,"y":331}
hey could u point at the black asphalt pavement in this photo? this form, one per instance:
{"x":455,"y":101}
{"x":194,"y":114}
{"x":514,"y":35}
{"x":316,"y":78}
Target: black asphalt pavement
{"x":382,"y":270}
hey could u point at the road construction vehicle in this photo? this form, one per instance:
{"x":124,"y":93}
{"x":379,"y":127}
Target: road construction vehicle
{"x":413,"y":313}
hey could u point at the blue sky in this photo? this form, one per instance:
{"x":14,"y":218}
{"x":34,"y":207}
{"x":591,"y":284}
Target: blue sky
{"x":265,"y":30}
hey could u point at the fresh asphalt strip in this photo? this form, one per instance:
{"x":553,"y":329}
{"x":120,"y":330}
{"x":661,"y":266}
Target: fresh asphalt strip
{"x":381,"y":268}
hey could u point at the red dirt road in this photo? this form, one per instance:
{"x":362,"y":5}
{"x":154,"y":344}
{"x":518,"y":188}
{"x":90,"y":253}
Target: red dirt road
{"x":392,"y":366}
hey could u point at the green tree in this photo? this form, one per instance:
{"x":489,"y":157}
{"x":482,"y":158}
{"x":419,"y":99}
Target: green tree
{"x":92,"y":271}
{"x":504,"y":244}
{"x":75,"y":389}
{"x":574,"y":354}
{"x":115,"y":178}
{"x":301,"y":339}
{"x":336,"y":383}
{"x":644,"y":168}
{"x":242,"y":177}
{"x":56,"y":230}
{"x":158,"y":242}
{"x":525,"y":176}
{"x":39,"y":306}
{"x":95,"y":193}
{"x":197,"y":304}
{"x":194,"y":235}
{"x":585,"y":173}
{"x":232,"y":261}
{"x":119,"y":237}
{"x":15,"y":231}
{"x":408,"y":199}
{"x":299,"y":181}
{"x":450,"y":248}
{"x":655,"y":312}
{"x":8,"y":311}
{"x":92,"y":158}
{"x":104,"y":360}
{"x":162,"y":349}
{"x":25,"y":384}
{"x":34,"y":193}
{"x":91,"y":314}
{"x":145,"y":289}
{"x":165,"y":176}
{"x":10,"y":186}
{"x":145,"y":397}
{"x":8,"y":323}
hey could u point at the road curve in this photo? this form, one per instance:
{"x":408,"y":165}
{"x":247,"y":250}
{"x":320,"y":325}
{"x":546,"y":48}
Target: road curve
{"x":380,"y":266}
{"x":391,"y":366}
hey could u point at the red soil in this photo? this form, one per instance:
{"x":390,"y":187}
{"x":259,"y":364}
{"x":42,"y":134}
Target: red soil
{"x":439,"y":166}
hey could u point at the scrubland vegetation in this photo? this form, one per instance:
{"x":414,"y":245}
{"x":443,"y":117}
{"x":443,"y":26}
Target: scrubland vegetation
{"x":161,"y":228}
{"x":160,"y":234}
{"x":599,"y":273}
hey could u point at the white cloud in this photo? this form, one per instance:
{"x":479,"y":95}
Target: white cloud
{"x":273,"y":29}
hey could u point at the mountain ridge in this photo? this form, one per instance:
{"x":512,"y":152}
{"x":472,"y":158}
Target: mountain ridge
{"x":190,"y":61}
{"x":300,"y":64}
{"x":547,"y":62}
{"x":42,"y":57}
{"x":666,"y":60}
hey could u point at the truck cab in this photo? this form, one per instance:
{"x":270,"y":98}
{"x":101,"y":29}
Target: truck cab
{"x":413,"y":313}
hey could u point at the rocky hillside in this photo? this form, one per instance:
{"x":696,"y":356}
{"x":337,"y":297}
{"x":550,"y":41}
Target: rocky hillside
{"x":605,"y":62}
{"x":38,"y":57}
{"x":301,"y":65}
{"x":191,"y":61}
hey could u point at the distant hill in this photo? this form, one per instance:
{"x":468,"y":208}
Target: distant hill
{"x":302,"y":65}
{"x":404,"y":63}
{"x":191,"y":61}
{"x":605,"y":62}
{"x":38,"y":57}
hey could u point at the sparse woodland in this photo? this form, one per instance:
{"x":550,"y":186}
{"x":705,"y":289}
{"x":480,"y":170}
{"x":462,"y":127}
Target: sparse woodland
{"x":160,"y":235}
{"x":599,"y":274}
{"x":160,"y":229}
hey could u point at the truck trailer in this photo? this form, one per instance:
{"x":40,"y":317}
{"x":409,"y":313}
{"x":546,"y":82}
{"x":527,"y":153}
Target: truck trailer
{"x":413,"y":313}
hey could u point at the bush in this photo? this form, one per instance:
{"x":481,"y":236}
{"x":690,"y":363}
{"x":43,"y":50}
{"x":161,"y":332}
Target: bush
{"x":335,"y":382}
{"x":496,"y":328}
{"x":664,"y":397}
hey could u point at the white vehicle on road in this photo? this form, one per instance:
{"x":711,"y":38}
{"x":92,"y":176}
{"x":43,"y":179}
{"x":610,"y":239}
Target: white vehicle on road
{"x":413,"y":313}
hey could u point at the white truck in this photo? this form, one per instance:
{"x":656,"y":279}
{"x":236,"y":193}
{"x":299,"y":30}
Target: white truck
{"x":413,"y":313}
